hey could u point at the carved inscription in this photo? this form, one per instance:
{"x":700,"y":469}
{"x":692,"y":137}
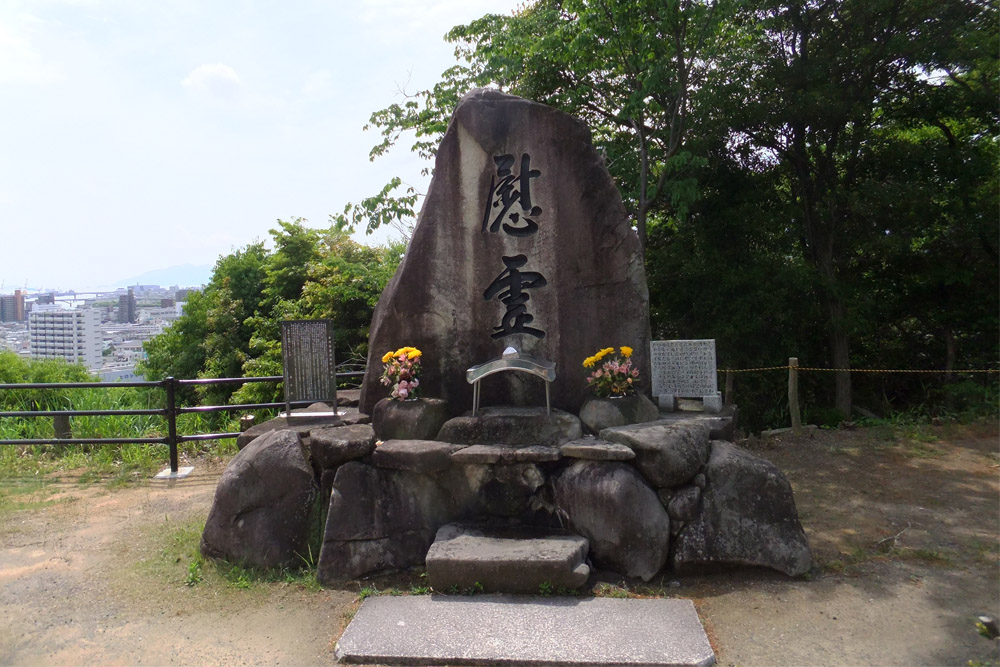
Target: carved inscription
{"x":684,"y":368}
{"x":307,"y":353}
{"x":508,"y":207}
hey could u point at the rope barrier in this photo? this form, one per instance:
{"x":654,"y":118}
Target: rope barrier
{"x":855,"y":370}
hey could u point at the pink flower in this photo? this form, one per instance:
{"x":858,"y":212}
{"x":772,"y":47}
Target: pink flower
{"x":403,"y":393}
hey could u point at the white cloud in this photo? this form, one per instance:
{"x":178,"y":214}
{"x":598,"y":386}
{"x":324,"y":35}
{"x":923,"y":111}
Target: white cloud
{"x":318,"y":84}
{"x":20,"y":60}
{"x":217,"y":80}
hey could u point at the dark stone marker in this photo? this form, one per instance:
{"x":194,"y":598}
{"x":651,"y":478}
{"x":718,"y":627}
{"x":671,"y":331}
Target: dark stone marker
{"x":309,"y":363}
{"x":522,"y":241}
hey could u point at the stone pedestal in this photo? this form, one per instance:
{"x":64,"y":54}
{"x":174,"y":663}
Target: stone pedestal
{"x":601,"y":413}
{"x":416,"y":419}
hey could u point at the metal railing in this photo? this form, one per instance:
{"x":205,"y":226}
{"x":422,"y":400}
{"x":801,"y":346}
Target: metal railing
{"x":169,"y":411}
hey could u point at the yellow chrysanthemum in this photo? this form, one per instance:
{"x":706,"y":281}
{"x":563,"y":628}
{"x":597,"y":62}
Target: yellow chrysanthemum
{"x":589,"y":362}
{"x":626,"y":351}
{"x":415,"y":353}
{"x":387,"y":356}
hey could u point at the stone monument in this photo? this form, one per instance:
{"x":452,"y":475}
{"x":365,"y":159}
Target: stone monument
{"x":684,"y":369}
{"x":522,"y":241}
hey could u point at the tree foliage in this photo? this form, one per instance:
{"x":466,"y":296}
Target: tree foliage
{"x":233,"y":327}
{"x":811,"y":178}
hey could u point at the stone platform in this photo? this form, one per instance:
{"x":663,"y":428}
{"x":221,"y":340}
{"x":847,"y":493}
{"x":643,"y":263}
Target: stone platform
{"x":504,"y":630}
{"x":506,"y":559}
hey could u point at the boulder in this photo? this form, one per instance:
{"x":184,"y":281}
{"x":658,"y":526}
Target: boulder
{"x":747,"y":517}
{"x":260,"y":515}
{"x":598,"y":414}
{"x":522,"y":241}
{"x":512,"y":427}
{"x":619,"y":514}
{"x":508,"y":489}
{"x":331,"y":447}
{"x":379,"y":519}
{"x":424,"y":456}
{"x":667,"y":454}
{"x":684,"y":503}
{"x":418,"y":419}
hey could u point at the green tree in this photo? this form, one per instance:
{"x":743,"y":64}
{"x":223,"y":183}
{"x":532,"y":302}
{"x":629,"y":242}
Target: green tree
{"x":809,"y":85}
{"x":626,"y":67}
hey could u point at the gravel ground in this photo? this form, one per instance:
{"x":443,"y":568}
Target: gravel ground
{"x":905,"y":535}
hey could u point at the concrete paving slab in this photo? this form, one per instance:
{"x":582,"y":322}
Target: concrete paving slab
{"x":508,"y":630}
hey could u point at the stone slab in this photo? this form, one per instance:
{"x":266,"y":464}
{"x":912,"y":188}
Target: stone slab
{"x":597,"y":450}
{"x":506,"y":630}
{"x":506,"y":559}
{"x":426,"y":456}
{"x":722,"y":425}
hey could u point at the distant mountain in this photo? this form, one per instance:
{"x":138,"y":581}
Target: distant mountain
{"x":182,"y":275}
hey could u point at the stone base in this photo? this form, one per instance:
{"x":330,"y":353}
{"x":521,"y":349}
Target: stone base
{"x":506,"y":559}
{"x":512,"y":427}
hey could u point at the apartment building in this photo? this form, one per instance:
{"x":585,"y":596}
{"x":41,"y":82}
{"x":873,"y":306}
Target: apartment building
{"x":55,"y":332}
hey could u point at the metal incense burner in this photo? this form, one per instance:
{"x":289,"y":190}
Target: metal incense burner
{"x":511,"y":360}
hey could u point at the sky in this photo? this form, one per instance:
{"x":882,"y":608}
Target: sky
{"x":142,"y":134}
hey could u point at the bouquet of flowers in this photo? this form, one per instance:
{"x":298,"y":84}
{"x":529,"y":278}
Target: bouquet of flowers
{"x":400,"y":372}
{"x":614,"y":377}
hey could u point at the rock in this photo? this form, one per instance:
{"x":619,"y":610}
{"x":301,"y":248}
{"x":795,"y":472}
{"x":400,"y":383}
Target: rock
{"x":260,"y":515}
{"x":558,"y":276}
{"x":990,"y":629}
{"x":619,"y":514}
{"x":379,"y":519}
{"x":601,"y":413}
{"x":348,"y":398}
{"x":420,"y":419}
{"x":596,"y":450}
{"x":506,"y":559}
{"x":667,"y":454}
{"x":301,"y":425}
{"x":508,"y":489}
{"x":352,"y":417}
{"x":747,"y":517}
{"x":699,"y":480}
{"x":512,"y":427}
{"x":331,"y":447}
{"x":415,"y":455}
{"x":683,"y":504}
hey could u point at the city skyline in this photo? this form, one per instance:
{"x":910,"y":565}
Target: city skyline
{"x":156,"y":135}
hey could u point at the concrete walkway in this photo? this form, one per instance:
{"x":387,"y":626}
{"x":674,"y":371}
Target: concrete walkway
{"x":508,"y":630}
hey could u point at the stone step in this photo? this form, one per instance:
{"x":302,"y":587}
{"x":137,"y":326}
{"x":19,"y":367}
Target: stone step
{"x":506,"y":559}
{"x":505,"y":630}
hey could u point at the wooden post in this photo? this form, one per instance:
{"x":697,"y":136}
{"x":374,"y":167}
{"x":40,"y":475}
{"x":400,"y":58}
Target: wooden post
{"x":793,"y":394}
{"x":729,"y":389}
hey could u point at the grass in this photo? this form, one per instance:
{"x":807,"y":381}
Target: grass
{"x":178,"y":560}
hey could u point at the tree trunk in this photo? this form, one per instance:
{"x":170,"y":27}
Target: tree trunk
{"x":840,"y":356}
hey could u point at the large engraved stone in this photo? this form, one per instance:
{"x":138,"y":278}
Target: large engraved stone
{"x":522,"y":241}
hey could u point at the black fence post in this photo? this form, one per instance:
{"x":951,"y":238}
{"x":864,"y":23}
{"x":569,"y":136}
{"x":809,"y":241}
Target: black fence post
{"x":170,"y":385}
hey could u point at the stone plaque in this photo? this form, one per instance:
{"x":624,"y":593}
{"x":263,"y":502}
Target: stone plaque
{"x":684,"y":368}
{"x":307,"y":356}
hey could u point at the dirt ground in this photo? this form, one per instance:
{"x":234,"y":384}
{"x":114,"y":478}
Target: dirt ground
{"x":905,"y":532}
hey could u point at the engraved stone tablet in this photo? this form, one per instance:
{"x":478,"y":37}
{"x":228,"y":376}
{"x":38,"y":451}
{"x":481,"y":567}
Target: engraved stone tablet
{"x":310,"y":367}
{"x":684,"y":368}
